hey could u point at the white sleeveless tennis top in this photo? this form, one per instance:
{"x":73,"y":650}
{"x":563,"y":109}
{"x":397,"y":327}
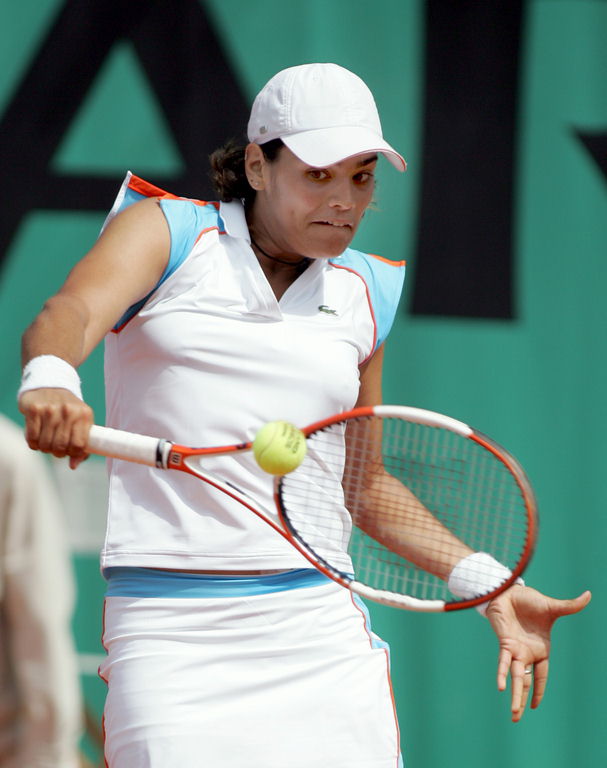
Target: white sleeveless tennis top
{"x":207,"y":359}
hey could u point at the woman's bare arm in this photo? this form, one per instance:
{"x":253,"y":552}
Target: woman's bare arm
{"x":121,"y":268}
{"x":387,"y":510}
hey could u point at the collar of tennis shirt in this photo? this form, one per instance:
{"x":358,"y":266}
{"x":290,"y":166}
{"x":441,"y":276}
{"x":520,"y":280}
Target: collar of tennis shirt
{"x":234,"y":220}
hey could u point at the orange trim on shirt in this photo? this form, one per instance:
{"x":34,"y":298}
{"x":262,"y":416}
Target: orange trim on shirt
{"x":369,"y":302}
{"x":147,"y":189}
{"x":388,"y":261}
{"x":209,"y":229}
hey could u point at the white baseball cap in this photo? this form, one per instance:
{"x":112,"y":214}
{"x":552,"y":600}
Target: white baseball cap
{"x":323,"y":113}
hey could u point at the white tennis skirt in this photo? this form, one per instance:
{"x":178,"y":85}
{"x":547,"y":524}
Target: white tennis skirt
{"x":289,"y":678}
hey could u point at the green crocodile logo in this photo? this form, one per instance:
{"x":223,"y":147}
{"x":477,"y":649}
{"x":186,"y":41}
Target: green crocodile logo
{"x":327,"y":310}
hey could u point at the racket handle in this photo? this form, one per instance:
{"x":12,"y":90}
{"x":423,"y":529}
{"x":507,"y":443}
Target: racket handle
{"x":118,"y":444}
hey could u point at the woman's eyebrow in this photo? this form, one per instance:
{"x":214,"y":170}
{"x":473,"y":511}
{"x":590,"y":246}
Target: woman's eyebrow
{"x":367,"y":160}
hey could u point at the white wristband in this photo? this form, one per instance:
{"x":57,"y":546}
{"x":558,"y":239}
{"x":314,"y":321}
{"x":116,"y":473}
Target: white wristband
{"x":476,"y":575}
{"x":52,"y":372}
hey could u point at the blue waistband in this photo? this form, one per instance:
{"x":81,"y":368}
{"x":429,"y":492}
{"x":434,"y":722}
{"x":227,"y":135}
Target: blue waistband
{"x":148,"y":582}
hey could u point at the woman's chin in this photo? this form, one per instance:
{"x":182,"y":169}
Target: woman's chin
{"x":329,"y":246}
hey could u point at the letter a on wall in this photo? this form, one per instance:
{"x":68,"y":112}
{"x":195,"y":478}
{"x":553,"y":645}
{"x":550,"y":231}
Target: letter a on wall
{"x":187,"y":71}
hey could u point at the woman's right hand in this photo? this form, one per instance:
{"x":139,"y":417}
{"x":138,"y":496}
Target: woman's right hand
{"x":57,"y":422}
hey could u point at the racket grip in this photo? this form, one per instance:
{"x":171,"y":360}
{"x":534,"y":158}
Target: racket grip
{"x":118,"y":444}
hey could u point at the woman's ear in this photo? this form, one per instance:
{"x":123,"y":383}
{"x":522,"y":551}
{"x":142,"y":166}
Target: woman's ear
{"x":254,"y":164}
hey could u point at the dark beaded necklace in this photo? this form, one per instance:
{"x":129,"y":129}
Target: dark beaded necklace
{"x":299,"y":263}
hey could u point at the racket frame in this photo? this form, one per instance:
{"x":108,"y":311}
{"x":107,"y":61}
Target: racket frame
{"x":164,"y":454}
{"x":437,"y":420}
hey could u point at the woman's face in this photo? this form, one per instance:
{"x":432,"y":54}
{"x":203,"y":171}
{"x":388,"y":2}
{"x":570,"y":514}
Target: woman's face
{"x":302,"y":210}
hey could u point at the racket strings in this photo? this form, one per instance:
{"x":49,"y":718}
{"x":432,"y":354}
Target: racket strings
{"x":374,"y":493}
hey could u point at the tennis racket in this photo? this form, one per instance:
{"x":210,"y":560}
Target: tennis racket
{"x":400,"y":505}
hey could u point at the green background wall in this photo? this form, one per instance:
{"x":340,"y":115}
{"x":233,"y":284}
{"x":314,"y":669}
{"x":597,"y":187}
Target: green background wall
{"x":536,"y":381}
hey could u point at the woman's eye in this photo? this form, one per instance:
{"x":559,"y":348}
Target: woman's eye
{"x":364,"y":177}
{"x":317,"y":175}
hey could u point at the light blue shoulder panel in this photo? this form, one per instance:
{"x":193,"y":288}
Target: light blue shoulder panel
{"x":384,"y":280}
{"x":186,"y":220}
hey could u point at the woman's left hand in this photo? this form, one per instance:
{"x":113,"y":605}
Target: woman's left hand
{"x":522,"y":619}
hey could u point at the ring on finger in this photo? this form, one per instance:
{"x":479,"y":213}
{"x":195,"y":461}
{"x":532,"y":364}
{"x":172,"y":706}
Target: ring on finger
{"x":529,"y":670}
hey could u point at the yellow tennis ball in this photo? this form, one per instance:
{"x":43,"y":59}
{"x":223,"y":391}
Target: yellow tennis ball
{"x":279,"y":447}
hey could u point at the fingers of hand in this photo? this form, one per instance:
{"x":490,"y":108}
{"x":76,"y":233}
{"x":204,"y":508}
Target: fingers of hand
{"x":580,"y":602}
{"x":57,"y":423}
{"x":33,"y":425}
{"x":521,"y":677}
{"x":503,"y":668}
{"x":540,"y":678}
{"x":570,"y":606}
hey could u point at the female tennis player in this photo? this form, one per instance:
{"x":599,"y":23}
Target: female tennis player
{"x":224,"y":647}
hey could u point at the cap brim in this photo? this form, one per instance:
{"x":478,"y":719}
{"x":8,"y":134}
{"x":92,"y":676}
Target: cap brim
{"x":326,"y":146}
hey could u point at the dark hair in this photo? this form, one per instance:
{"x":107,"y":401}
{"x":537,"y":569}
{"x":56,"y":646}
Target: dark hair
{"x":228,"y":172}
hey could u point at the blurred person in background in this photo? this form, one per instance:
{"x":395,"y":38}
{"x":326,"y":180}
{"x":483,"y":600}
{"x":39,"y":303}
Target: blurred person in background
{"x":40,"y":700}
